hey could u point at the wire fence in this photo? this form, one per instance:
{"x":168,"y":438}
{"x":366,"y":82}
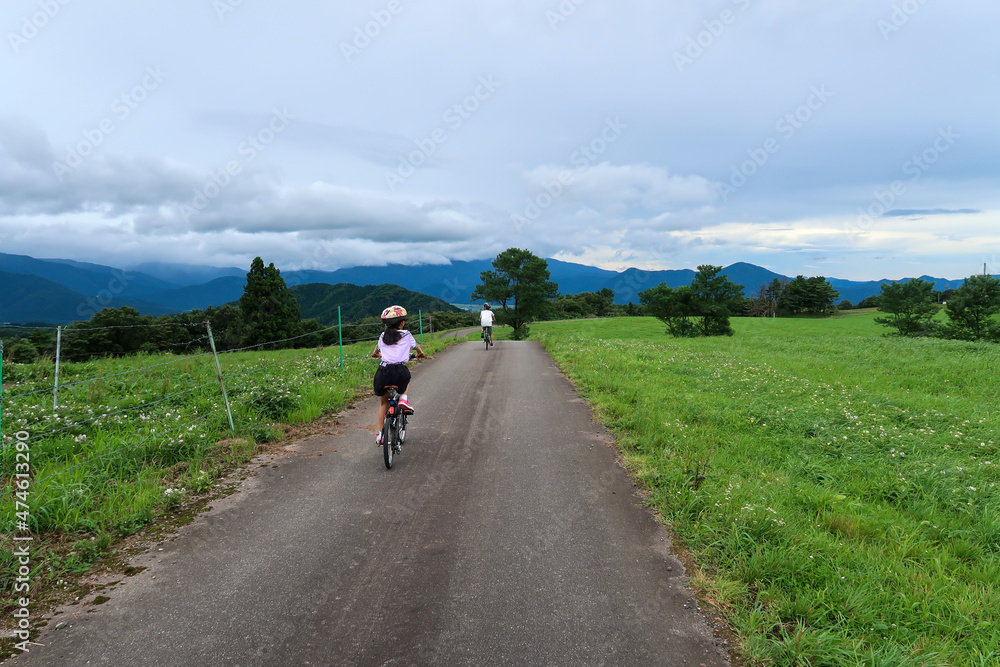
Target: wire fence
{"x":76,"y":399}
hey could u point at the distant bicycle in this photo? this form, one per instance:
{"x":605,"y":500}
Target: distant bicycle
{"x":488,"y":336}
{"x":394,"y":428}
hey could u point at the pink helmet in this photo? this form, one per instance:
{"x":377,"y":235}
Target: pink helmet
{"x":393,"y":312}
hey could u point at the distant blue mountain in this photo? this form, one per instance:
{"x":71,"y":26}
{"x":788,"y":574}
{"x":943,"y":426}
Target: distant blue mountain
{"x":30,"y":298}
{"x":185,"y":275}
{"x":212,"y":293}
{"x":91,"y":279}
{"x":61,"y":290}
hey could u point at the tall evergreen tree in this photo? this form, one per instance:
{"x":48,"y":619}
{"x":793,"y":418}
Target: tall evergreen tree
{"x":519,"y":283}
{"x":269,"y":309}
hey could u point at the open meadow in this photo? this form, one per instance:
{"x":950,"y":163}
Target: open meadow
{"x":837,"y":489}
{"x":134,"y":438}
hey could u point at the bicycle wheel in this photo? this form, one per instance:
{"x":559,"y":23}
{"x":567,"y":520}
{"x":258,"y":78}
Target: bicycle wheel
{"x":388,"y":441}
{"x":402,"y":429}
{"x":487,"y":339}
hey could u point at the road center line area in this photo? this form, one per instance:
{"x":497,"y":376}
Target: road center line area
{"x":505,"y":534}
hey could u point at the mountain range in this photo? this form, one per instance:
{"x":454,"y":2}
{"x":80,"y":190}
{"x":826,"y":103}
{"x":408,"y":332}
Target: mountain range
{"x":59,"y":291}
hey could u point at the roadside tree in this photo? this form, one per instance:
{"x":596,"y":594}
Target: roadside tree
{"x":519,"y":283}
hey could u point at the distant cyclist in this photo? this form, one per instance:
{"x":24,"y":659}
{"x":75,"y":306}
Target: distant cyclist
{"x":486,"y":321}
{"x":393,"y":348}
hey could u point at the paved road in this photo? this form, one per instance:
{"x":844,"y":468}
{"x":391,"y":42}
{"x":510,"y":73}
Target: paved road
{"x":505,"y":535}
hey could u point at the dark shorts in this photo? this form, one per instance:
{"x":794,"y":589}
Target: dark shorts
{"x":397,"y":374}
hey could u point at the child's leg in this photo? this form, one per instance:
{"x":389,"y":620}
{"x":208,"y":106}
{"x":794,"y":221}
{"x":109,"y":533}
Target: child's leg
{"x":383,"y":408}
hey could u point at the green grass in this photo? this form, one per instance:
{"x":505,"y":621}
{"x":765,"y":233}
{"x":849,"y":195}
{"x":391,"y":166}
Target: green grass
{"x":122,"y":450}
{"x":837,"y":488}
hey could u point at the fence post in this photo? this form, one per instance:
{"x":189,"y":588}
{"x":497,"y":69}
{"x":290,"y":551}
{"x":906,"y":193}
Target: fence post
{"x":1,"y":389}
{"x":218,"y":370}
{"x":340,"y":330}
{"x":55,"y":389}
{"x":420,"y":319}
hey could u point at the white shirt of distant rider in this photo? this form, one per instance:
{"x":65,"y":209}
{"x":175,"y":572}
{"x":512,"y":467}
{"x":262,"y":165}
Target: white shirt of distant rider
{"x":486,"y":318}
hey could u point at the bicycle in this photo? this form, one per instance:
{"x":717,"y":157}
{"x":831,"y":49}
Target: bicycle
{"x":488,"y":337}
{"x":394,"y":428}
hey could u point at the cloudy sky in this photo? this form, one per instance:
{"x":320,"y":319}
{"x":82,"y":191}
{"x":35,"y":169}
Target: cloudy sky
{"x":847,"y":138}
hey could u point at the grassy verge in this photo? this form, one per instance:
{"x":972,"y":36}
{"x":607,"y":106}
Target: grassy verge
{"x":135,"y":438}
{"x":837,"y":488}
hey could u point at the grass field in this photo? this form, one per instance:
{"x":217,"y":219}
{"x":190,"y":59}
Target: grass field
{"x":136,"y":437}
{"x":837,"y":488}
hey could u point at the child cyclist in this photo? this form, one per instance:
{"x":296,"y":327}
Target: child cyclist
{"x":486,"y":321}
{"x":393,"y":349}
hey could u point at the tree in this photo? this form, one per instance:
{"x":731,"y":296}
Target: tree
{"x":20,"y":351}
{"x":112,"y":331}
{"x":702,"y":308}
{"x":269,"y":309}
{"x":808,"y":295}
{"x":909,"y":306}
{"x":520,"y":284}
{"x":868,"y":302}
{"x":673,"y":307}
{"x":972,"y":307}
{"x":773,"y":292}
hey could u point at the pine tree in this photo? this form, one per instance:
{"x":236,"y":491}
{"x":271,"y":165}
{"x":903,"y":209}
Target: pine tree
{"x":269,"y":309}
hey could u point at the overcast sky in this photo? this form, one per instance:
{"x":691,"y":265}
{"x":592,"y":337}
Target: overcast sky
{"x":847,"y":138}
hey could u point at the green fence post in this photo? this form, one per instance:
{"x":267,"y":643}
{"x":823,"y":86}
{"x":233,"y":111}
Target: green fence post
{"x":420,"y":319}
{"x":340,"y":329}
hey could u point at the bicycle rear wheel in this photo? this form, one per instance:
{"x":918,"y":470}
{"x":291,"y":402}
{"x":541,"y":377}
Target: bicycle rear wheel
{"x":388,"y":441}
